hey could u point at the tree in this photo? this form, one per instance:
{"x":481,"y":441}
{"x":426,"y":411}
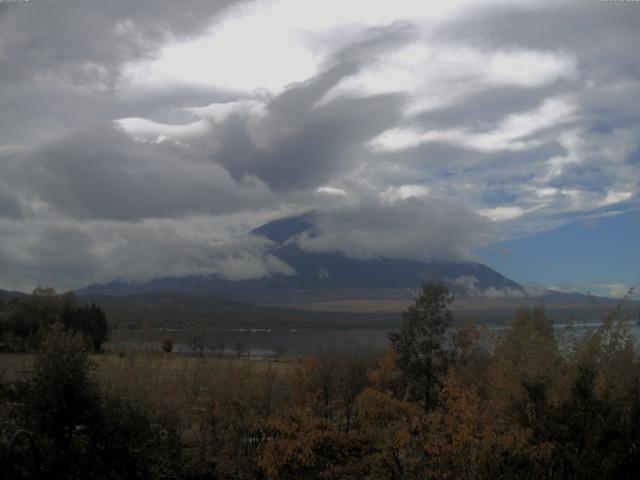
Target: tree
{"x":62,"y":396}
{"x":352,"y":378}
{"x":88,"y":320}
{"x":85,"y":431}
{"x":471,"y":437}
{"x":98,"y":330}
{"x":31,"y":313}
{"x":167,"y":345}
{"x":27,"y":317}
{"x":240,"y":348}
{"x":419,"y":343}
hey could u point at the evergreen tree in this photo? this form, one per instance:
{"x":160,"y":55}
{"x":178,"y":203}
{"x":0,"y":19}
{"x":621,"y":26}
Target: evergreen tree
{"x":419,"y":344}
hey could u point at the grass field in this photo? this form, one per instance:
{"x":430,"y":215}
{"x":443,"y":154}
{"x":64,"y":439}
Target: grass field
{"x":168,"y":380}
{"x":14,"y":366}
{"x":207,"y":399}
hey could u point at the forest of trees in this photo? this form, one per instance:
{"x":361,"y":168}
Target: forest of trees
{"x":445,"y":401}
{"x":23,"y":319}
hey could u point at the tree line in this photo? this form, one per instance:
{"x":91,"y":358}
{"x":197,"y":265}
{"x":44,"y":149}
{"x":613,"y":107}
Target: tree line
{"x":24,"y":319}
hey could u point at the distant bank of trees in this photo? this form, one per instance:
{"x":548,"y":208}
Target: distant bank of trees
{"x":24,"y":319}
{"x":531,"y":402}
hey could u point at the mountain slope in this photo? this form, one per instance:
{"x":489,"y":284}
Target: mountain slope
{"x":326,"y":275}
{"x":335,"y":270}
{"x":5,"y":295}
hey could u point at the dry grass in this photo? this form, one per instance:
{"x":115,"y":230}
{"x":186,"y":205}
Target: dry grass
{"x":15,"y":366}
{"x":216,"y":402}
{"x":197,"y":389}
{"x":173,"y":381}
{"x":167,"y":380}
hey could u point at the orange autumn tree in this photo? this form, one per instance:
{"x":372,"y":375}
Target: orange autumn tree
{"x":470,"y":437}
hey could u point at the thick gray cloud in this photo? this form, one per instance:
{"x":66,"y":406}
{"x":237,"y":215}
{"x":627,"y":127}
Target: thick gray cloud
{"x":61,"y":62}
{"x":484,"y":109}
{"x":299,"y":141}
{"x":9,"y":203}
{"x":561,"y":26}
{"x":84,"y":43}
{"x":496,"y":122}
{"x":417,"y":228}
{"x":104,"y":173}
{"x":69,"y":253}
{"x":304,"y":151}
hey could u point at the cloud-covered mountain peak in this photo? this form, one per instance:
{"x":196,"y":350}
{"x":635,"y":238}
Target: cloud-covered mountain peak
{"x":283,"y":229}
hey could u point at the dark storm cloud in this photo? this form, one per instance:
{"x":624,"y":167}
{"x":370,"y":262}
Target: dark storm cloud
{"x":104,"y":173}
{"x":84,"y":43}
{"x":302,"y":142}
{"x":602,"y":34}
{"x":312,"y":149}
{"x":61,"y":62}
{"x":30,"y":115}
{"x":9,"y":203}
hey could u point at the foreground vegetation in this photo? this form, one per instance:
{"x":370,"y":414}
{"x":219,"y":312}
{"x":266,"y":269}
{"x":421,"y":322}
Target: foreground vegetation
{"x":440,"y":403}
{"x":23,"y":320}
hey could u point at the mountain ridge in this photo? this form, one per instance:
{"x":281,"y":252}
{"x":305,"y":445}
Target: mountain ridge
{"x":325,"y":271}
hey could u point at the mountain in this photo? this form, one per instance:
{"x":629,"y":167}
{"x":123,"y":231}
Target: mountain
{"x":5,"y":295}
{"x":326,"y":276}
{"x":337,"y":271}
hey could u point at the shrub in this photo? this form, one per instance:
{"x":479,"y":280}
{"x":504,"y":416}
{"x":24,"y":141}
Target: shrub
{"x":85,"y":432}
{"x":167,"y":345}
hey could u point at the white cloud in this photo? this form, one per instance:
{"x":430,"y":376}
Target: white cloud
{"x":148,"y":130}
{"x":424,"y":228}
{"x":615,"y":197}
{"x":529,"y":68}
{"x":405,"y":191}
{"x":248,"y":65}
{"x":511,"y":134}
{"x":608,"y":289}
{"x":470,"y":286}
{"x":503,"y":213}
{"x":333,"y":191}
{"x":71,"y":254}
{"x":281,"y":42}
{"x":427,"y":68}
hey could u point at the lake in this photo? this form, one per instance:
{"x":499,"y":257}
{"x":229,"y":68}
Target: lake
{"x":291,"y":341}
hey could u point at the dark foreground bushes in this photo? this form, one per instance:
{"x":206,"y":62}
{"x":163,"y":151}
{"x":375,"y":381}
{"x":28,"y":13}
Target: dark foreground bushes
{"x":25,"y":320}
{"x":83,"y":431}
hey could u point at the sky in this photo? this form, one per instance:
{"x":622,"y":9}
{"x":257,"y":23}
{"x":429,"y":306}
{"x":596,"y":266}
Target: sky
{"x":146,"y":139}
